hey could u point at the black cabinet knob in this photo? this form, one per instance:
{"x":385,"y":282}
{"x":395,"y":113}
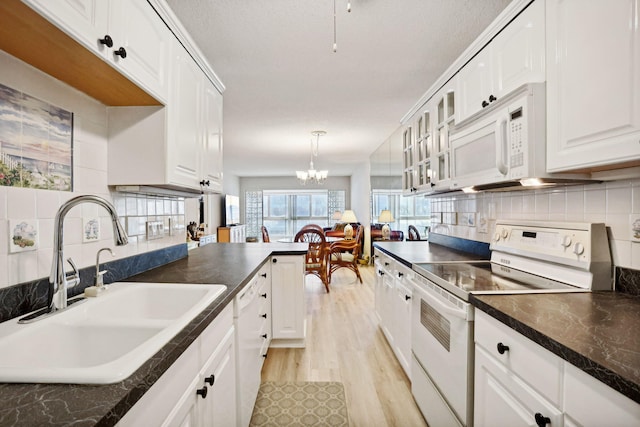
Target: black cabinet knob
{"x":121,"y":52}
{"x":484,"y":104}
{"x":274,"y":260}
{"x":541,"y":420}
{"x":407,"y":297}
{"x":263,"y":295}
{"x":492,"y":98}
{"x":210,"y":379}
{"x":400,"y":274}
{"x":203,"y":182}
{"x":202,"y":392}
{"x":264,"y":315}
{"x":264,"y":275}
{"x":264,"y":355}
{"x":502,"y":348}
{"x":264,"y":336}
{"x":107,"y":41}
{"x":380,"y":272}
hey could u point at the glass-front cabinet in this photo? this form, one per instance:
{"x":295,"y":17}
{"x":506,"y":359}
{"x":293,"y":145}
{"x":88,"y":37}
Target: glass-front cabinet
{"x":426,"y":145}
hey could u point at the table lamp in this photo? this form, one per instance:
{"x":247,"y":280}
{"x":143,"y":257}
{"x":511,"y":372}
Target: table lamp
{"x":348,"y":216}
{"x":386,"y":217}
{"x":337,"y":215}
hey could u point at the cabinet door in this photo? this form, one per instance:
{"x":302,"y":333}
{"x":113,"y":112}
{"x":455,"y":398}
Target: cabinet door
{"x":474,"y":84}
{"x":518,"y":52}
{"x":137,"y":28}
{"x":211,"y":156}
{"x":388,"y":297}
{"x":502,"y":399}
{"x":84,"y":20}
{"x":185,"y":413}
{"x":288,"y":301}
{"x":593,"y":84}
{"x":402,"y":314}
{"x":219,"y":406}
{"x":183,"y":144}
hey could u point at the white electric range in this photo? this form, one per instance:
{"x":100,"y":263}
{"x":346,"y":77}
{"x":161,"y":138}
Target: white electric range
{"x":526,"y":257}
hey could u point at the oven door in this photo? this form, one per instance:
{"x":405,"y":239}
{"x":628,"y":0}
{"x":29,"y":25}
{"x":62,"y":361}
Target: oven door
{"x":442,"y":363}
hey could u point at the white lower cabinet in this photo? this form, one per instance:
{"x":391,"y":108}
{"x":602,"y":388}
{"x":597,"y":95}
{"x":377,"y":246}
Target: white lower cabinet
{"x":393,"y":295}
{"x":519,"y":383}
{"x":288,"y":303}
{"x":199,"y":388}
{"x":589,"y":402}
{"x":253,"y":327}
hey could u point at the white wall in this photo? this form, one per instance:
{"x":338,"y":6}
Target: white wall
{"x":616,"y":203}
{"x":90,"y":177}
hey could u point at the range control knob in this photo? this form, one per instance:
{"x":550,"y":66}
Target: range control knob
{"x":578,"y":248}
{"x":566,"y":241}
{"x":505,"y":233}
{"x":496,"y":236}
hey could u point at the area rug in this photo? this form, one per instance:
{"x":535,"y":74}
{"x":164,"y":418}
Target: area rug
{"x":300,"y":404}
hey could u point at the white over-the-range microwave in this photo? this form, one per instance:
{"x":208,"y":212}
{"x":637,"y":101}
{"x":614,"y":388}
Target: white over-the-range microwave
{"x":504,"y":147}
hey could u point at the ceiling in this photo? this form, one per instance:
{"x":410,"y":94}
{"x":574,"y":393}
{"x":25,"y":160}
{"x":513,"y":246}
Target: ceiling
{"x":284,"y":81}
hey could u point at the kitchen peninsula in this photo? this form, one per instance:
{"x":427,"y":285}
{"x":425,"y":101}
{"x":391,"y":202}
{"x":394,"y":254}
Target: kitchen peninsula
{"x":105,"y":405}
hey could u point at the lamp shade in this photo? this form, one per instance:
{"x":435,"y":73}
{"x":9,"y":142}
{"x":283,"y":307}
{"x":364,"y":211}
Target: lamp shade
{"x":337,"y":215}
{"x":386,"y":216}
{"x":349,"y":216}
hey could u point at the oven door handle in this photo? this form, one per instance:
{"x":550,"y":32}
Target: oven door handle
{"x":443,"y":307}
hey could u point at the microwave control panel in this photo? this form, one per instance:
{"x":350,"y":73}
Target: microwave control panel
{"x":517,"y":143}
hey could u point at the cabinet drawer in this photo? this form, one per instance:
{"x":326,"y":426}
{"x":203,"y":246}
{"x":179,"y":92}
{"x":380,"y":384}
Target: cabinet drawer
{"x":537,"y":366}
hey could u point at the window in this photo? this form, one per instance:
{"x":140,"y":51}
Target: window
{"x":413,"y":210}
{"x":285,"y":212}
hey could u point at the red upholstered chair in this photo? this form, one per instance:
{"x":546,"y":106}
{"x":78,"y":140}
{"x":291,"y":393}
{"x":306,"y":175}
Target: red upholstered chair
{"x":345,"y":253}
{"x":315,"y":261}
{"x":265,"y":234}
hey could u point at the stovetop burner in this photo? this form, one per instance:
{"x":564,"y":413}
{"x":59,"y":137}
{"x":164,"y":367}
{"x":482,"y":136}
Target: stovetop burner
{"x":487,"y":278}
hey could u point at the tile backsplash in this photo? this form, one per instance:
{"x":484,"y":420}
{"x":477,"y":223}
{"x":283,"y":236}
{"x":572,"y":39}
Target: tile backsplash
{"x":90,"y":177}
{"x":615,"y":203}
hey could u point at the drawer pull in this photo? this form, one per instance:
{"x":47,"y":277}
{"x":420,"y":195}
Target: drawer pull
{"x":107,"y":41}
{"x":407,"y":297}
{"x":121,"y":53}
{"x":541,"y":420}
{"x":380,"y":272}
{"x":263,"y":295}
{"x":502,"y":348}
{"x":264,"y":275}
{"x":264,"y":355}
{"x":202,"y":392}
{"x":264,"y":336}
{"x":264,"y":315}
{"x":210,"y":379}
{"x":400,"y":274}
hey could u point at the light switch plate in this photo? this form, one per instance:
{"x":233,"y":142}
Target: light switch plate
{"x":155,"y":230}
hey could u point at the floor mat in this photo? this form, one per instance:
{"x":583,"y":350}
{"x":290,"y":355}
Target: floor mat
{"x":300,"y":404}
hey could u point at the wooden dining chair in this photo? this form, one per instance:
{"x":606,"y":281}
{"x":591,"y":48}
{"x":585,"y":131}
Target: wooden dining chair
{"x":316,"y":258}
{"x":413,"y":233}
{"x":345,"y":253}
{"x":265,"y":234}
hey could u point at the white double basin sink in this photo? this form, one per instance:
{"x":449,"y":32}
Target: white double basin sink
{"x":104,"y":339}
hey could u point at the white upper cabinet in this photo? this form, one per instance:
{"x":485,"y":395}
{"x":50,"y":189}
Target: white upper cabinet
{"x":139,"y":31}
{"x":211,"y":157}
{"x":516,"y":56}
{"x":593,"y":84}
{"x":128,"y":34}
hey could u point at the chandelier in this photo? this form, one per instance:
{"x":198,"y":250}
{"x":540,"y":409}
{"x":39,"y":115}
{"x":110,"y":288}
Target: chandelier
{"x":312,"y":175}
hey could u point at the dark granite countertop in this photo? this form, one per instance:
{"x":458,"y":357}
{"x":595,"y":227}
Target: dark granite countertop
{"x":416,"y":252}
{"x":595,"y":331}
{"x":231,"y":264}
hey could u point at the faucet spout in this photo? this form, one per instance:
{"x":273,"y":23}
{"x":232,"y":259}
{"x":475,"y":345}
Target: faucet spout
{"x":59,"y":282}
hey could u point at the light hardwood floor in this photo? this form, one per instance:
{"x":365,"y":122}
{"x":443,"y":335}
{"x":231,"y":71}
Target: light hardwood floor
{"x":345,"y":343}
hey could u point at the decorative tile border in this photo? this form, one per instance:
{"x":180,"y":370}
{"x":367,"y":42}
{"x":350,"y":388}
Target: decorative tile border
{"x":26,"y":297}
